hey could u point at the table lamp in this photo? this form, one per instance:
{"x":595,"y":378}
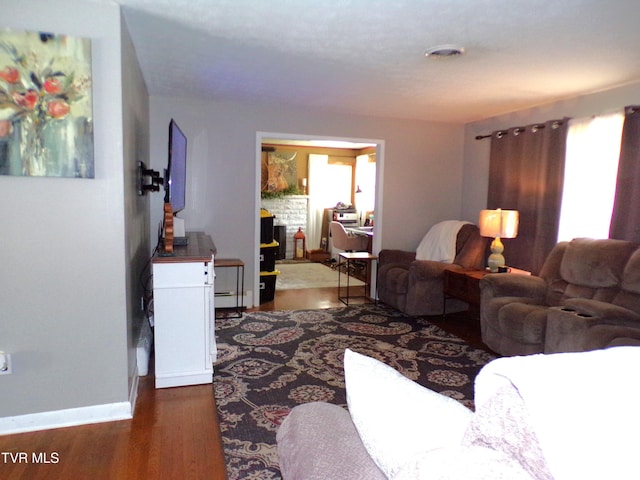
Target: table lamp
{"x":498,"y":224}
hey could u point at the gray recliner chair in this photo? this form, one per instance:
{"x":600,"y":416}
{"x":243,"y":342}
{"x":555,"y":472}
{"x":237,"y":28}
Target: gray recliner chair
{"x":586,"y":297}
{"x":415,"y":286}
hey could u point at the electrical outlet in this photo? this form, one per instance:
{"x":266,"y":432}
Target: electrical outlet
{"x":5,"y":364}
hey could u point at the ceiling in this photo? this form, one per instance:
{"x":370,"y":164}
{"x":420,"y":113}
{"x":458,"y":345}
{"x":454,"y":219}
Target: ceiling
{"x":367,"y":56}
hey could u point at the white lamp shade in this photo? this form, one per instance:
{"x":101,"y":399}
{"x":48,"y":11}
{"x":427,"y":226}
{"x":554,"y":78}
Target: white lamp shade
{"x":499,"y":223}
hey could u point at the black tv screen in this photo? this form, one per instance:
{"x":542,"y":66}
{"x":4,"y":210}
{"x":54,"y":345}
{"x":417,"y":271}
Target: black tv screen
{"x":177,"y":168}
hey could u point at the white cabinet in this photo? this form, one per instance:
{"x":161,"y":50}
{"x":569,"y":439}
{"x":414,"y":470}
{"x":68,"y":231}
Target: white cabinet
{"x":184,"y":325}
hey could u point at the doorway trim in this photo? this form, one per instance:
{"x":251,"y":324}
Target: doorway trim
{"x":379,"y":218}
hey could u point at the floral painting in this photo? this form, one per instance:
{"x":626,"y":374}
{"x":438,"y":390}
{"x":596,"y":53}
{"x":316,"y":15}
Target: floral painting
{"x":46,"y":123}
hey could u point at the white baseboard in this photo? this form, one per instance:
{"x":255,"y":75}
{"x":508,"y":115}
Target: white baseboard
{"x":66,"y":418}
{"x":229,"y":301}
{"x":182,"y":379}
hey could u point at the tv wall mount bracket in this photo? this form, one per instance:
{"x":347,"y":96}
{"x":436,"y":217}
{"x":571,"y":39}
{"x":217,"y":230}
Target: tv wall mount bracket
{"x":149,"y":180}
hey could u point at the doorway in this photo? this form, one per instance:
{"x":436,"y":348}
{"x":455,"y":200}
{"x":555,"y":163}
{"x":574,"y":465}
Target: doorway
{"x":354,"y":188}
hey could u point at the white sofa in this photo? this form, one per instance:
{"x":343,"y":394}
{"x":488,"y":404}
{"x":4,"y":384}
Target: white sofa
{"x":559,"y":416}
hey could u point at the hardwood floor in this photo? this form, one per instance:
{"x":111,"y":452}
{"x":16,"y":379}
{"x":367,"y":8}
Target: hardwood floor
{"x":174,"y":433}
{"x":314,"y":298}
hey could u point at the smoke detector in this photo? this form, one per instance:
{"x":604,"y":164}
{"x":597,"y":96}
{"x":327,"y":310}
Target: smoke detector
{"x":444,"y":51}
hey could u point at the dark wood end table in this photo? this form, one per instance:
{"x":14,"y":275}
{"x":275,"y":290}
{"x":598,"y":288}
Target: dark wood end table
{"x":463,"y":285}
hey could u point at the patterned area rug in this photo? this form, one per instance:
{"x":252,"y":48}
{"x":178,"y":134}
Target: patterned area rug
{"x":269,"y":362}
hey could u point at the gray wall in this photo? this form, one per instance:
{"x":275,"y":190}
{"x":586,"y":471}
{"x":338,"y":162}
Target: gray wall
{"x":135,"y":109}
{"x":69,"y":247}
{"x":422,"y":173}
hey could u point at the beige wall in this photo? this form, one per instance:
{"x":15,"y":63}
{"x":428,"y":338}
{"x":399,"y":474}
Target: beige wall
{"x":476,"y":152}
{"x":336,"y":155}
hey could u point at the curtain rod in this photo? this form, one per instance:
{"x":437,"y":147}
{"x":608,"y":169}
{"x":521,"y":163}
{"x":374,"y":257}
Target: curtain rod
{"x":501,"y":133}
{"x":537,"y":126}
{"x":629,"y":109}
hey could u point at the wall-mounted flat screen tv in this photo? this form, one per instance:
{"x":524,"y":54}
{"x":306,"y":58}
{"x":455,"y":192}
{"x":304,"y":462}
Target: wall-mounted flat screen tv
{"x":177,"y":168}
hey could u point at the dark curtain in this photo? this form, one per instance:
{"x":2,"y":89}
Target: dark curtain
{"x":526,"y":173}
{"x":625,"y":219}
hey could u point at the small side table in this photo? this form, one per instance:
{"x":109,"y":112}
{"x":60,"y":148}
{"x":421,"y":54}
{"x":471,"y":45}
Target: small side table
{"x":349,"y":257}
{"x":239,"y":266}
{"x":463,"y":285}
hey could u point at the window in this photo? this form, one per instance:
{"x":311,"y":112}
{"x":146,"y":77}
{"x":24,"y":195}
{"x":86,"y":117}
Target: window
{"x":591,"y":167}
{"x":366,"y":182}
{"x":339,"y":183}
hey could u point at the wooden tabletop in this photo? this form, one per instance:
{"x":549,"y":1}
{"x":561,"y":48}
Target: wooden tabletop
{"x":199,"y":248}
{"x":227,"y":262}
{"x":475,"y":273}
{"x":358,"y":256}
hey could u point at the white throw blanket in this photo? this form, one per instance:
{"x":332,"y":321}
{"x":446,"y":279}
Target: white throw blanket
{"x":439,"y":243}
{"x":584,"y":408}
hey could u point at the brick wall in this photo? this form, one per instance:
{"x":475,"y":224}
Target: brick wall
{"x":290,"y":211}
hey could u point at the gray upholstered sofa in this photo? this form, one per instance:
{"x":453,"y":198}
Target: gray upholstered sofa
{"x":415,"y":286}
{"x":529,"y":423}
{"x":586,"y":297}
